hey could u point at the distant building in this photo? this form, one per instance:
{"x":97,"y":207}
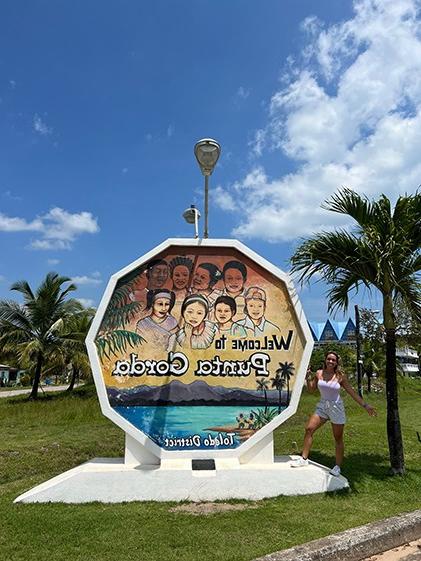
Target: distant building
{"x":9,"y":376}
{"x":408,"y":361}
{"x":342,"y":332}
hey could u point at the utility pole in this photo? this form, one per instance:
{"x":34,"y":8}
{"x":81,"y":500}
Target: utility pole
{"x":359,"y":360}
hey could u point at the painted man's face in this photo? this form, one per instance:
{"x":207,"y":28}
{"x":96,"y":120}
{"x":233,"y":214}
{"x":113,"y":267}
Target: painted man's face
{"x":161,"y":307}
{"x":223,"y":313}
{"x":201,"y":279}
{"x":255,"y":308}
{"x":158,"y":276}
{"x":180,"y":276}
{"x":233,"y":280}
{"x":194,"y":313}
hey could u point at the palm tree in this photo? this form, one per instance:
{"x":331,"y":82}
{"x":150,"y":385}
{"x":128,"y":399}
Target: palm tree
{"x":286,"y":371}
{"x":278,"y":383}
{"x":72,"y":351}
{"x":383,"y":251}
{"x":263,"y":386}
{"x":33,"y":328}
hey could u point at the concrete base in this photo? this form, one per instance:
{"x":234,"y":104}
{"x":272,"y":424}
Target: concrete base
{"x":112,"y":481}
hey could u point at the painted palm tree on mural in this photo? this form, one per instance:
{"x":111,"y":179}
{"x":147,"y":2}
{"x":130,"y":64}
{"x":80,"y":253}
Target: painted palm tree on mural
{"x":263,"y":386}
{"x":113,"y":336}
{"x":33,"y":328}
{"x":278,"y":383}
{"x":286,"y":371}
{"x":383,"y":251}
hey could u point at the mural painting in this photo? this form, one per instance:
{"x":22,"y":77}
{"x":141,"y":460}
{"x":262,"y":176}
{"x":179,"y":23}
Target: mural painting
{"x":199,"y":348}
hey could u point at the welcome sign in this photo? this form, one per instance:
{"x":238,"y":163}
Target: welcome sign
{"x":199,"y":345}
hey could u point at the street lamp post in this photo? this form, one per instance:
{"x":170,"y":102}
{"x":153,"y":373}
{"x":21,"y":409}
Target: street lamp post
{"x":359,"y":359}
{"x":207,"y":152}
{"x":191,"y":216}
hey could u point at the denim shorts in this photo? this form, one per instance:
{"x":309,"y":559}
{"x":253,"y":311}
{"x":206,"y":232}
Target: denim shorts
{"x":333,"y":411}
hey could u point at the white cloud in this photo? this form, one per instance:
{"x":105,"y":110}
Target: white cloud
{"x":40,"y":126}
{"x":2,"y":278}
{"x":124,"y":170}
{"x":87,"y":302}
{"x":349,"y":113}
{"x":53,"y":261}
{"x":170,"y":131}
{"x":15,"y":224}
{"x":58,"y":228}
{"x":94,"y":279}
{"x":243,"y":93}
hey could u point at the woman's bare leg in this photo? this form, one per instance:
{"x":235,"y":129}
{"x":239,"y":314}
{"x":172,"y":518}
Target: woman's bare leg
{"x":313,"y":424}
{"x":338,"y":434}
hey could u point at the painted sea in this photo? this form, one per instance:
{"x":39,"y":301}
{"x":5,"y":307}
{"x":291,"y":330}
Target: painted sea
{"x":187,"y":427}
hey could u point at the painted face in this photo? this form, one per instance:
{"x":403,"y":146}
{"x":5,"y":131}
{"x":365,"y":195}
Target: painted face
{"x":331,"y":360}
{"x":180,"y":276}
{"x":233,"y":280}
{"x":158,"y":276}
{"x":194,"y":313}
{"x":201,"y":279}
{"x":255,"y":308}
{"x":223,"y":313}
{"x":161,"y":307}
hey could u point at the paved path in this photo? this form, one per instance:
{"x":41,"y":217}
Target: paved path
{"x":408,"y":552}
{"x":46,"y":389}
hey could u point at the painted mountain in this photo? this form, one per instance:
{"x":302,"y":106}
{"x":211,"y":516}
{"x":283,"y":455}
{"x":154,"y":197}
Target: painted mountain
{"x":196,"y":393}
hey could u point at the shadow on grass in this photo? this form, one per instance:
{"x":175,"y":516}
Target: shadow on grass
{"x":358,"y":468}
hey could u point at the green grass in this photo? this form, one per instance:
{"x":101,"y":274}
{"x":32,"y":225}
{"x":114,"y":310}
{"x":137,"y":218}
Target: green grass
{"x":42,"y":439}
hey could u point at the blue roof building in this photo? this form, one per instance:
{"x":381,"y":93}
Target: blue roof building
{"x":342,"y":332}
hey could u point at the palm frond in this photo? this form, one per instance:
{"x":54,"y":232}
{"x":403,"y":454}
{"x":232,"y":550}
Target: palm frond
{"x":117,"y":341}
{"x":347,"y":201}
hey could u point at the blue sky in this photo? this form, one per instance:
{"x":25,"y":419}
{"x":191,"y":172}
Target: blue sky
{"x":101,"y":104}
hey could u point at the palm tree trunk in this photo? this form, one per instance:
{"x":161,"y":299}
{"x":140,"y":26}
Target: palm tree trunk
{"x":394,"y":433}
{"x":34,"y":392}
{"x":73,"y":379}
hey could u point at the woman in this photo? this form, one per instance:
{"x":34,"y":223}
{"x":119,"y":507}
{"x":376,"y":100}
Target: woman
{"x":180,"y":269}
{"x":329,"y":381}
{"x":225,"y":310}
{"x":158,"y":325}
{"x":197,"y":332}
{"x":204,"y":279}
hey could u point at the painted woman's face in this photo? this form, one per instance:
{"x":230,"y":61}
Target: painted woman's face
{"x":233,"y":280}
{"x":180,"y":276}
{"x":223,"y":313}
{"x":161,"y":307}
{"x":201,"y":279}
{"x":194,"y":313}
{"x":255,"y":308}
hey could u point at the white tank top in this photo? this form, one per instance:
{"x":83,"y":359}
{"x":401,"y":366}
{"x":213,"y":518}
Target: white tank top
{"x":329,"y":390}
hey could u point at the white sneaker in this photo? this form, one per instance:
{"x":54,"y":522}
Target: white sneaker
{"x":336,"y":471}
{"x":299,"y":462}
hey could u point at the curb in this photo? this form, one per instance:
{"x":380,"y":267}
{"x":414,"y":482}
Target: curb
{"x":357,"y":543}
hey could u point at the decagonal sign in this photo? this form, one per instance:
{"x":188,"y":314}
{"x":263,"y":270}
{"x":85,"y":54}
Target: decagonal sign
{"x":199,"y":346}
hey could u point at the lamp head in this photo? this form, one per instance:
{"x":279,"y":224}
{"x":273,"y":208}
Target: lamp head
{"x":190,"y":214}
{"x":207,"y":152}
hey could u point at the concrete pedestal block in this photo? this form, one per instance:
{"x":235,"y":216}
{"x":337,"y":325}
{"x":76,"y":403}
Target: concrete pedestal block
{"x":112,"y":481}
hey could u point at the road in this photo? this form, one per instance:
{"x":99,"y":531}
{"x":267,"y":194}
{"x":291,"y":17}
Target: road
{"x":46,"y":389}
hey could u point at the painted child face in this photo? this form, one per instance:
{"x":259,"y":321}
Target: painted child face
{"x":233,"y":280}
{"x":255,"y":308}
{"x":201,"y":279}
{"x":223,"y":313}
{"x":161,"y":307}
{"x":194,"y":314}
{"x":180,"y":276}
{"x":158,"y":276}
